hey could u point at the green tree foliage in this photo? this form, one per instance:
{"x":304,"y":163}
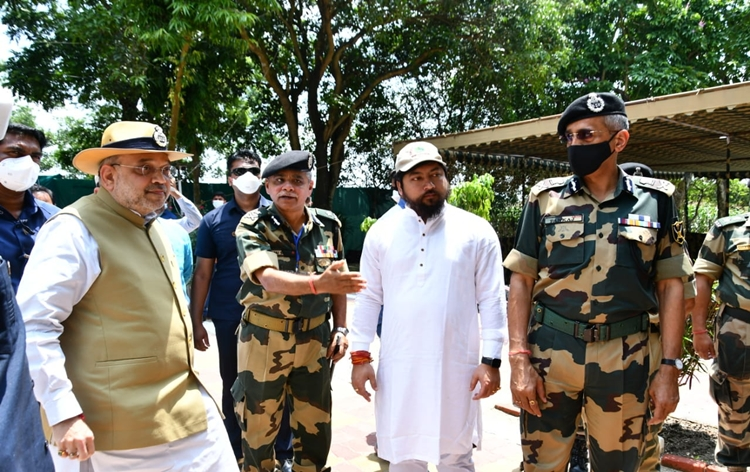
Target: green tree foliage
{"x":702,"y":204}
{"x":176,"y":63}
{"x":332,"y":61}
{"x":658,"y":47}
{"x":475,"y":196}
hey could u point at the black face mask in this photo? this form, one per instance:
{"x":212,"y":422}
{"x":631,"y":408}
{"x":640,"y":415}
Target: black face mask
{"x":587,"y":159}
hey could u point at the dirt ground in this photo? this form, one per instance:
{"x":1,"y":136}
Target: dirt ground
{"x":687,"y":439}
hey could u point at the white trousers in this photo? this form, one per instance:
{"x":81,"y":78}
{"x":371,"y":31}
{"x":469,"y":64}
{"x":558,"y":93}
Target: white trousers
{"x":207,"y":451}
{"x":448,"y":463}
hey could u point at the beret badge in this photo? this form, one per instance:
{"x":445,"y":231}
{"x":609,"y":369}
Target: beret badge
{"x":595,"y":103}
{"x":310,"y":161}
{"x":159,"y":137}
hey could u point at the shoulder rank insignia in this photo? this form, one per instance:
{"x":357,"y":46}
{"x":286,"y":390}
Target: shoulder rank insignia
{"x":732,"y":220}
{"x":252,"y":216}
{"x":663,"y":186}
{"x":547,"y":184}
{"x":326,"y":214}
{"x":678,"y":232}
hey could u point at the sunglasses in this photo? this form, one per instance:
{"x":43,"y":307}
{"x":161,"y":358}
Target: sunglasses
{"x":240,"y":171}
{"x":584,"y":135}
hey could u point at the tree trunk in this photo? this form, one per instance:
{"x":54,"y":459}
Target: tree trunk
{"x":177,"y":95}
{"x":722,"y":197}
{"x":195,"y":150}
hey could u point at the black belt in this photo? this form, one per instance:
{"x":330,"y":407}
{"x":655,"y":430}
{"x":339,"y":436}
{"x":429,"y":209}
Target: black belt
{"x":590,"y":332}
{"x":739,"y":313}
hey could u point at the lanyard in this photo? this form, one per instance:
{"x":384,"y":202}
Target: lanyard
{"x":297,"y":238}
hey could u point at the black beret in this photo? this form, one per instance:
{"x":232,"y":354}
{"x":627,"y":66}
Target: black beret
{"x":631,"y":168}
{"x":295,"y":160}
{"x":593,"y":104}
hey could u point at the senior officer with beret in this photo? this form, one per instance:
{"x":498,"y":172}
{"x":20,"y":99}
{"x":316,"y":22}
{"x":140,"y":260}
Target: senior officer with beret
{"x":294,"y":279}
{"x":595,"y":253}
{"x":109,"y":337}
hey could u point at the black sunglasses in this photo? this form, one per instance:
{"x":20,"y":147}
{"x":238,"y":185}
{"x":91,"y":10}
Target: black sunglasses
{"x":240,"y":171}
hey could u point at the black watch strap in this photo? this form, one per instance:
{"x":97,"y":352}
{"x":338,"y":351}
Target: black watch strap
{"x":494,"y":363}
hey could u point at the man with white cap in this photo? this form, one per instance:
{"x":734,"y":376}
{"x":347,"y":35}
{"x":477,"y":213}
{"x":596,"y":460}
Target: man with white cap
{"x":109,"y":337}
{"x":430,"y":265}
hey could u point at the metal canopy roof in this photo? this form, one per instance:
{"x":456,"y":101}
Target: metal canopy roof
{"x":684,"y":132}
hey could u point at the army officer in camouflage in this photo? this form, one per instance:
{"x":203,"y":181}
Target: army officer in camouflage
{"x":595,"y":254}
{"x":294,"y":278}
{"x":725,"y":256}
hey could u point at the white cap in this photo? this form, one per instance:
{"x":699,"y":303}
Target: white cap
{"x":417,"y":153}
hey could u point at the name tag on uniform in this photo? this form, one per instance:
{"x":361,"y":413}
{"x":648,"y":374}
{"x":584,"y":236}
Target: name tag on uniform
{"x":553,"y":220}
{"x":325,"y":251}
{"x":644,"y":221}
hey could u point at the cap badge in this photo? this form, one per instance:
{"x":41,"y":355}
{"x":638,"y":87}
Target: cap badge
{"x":160,"y":137}
{"x":309,"y":160}
{"x":595,"y":103}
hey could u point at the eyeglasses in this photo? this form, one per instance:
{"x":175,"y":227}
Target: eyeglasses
{"x":149,"y":171}
{"x":240,"y":171}
{"x":584,"y":135}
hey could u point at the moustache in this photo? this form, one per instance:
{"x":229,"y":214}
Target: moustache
{"x":152,"y":188}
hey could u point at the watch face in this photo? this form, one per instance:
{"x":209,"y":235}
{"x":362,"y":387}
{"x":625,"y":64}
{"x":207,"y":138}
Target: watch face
{"x":678,"y":363}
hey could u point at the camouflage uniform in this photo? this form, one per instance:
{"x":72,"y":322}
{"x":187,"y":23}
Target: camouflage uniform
{"x":651,"y":459}
{"x":273,"y":365}
{"x":725,"y":255}
{"x":594,"y":263}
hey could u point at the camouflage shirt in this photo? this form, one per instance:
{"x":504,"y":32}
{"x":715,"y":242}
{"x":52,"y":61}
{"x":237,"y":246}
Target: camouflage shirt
{"x":265,"y":239}
{"x":725,"y":255}
{"x":597,"y":262}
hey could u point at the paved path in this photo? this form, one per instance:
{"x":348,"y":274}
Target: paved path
{"x":354,"y":421}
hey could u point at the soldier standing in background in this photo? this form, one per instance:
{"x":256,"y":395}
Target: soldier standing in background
{"x":595,"y":254}
{"x":725,"y":256}
{"x":294,"y":279}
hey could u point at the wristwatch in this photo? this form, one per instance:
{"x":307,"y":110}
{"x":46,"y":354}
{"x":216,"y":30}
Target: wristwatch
{"x":494,"y":363}
{"x":341,"y":329}
{"x":677,"y":363}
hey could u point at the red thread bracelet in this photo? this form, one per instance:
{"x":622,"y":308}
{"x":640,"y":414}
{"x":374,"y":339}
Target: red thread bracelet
{"x":312,"y":285}
{"x":700,"y":331}
{"x":520,"y":351}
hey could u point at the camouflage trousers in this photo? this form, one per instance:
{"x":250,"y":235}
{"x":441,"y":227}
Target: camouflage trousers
{"x":275,"y":367}
{"x":651,"y":460}
{"x":730,"y":389}
{"x":607,"y":380}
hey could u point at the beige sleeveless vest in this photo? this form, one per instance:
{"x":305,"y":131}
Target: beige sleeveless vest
{"x":128,"y":343}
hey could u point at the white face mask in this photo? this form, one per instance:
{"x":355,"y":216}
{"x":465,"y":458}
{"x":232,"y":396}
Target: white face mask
{"x":247,"y":183}
{"x":18,"y":174}
{"x":217,"y":203}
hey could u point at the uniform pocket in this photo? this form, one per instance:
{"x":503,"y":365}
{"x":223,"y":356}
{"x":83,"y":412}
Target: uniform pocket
{"x":121,"y":362}
{"x":563,"y":243}
{"x":732,"y":352}
{"x":636,"y":246}
{"x":719,"y":387}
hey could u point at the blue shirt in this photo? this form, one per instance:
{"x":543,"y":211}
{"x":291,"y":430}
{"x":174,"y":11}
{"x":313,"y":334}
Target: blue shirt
{"x":180,"y":241}
{"x":17,"y":236}
{"x":216,"y":240}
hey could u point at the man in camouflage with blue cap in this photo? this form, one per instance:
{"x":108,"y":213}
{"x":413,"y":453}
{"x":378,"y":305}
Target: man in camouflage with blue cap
{"x":725,"y":256}
{"x":595,"y":253}
{"x":294,"y":279}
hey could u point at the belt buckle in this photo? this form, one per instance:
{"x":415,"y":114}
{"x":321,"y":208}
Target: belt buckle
{"x":591,"y":334}
{"x":298,"y":325}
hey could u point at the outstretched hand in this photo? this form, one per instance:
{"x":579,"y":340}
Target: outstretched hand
{"x":333,"y":280}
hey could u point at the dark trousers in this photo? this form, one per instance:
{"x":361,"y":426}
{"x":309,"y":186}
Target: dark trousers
{"x":226,"y":340}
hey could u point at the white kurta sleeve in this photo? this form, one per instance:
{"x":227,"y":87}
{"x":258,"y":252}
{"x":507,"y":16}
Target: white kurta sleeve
{"x":490,"y":289}
{"x":369,"y":301}
{"x":63,"y":265}
{"x":192,"y":218}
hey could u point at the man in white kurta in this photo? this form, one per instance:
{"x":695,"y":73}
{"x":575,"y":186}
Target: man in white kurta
{"x":430,"y":265}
